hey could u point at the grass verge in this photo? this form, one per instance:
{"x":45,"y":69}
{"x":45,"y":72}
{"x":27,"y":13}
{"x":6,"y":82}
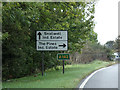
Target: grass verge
{"x":56,"y":79}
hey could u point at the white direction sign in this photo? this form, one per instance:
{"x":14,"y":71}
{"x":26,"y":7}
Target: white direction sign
{"x":51,"y":40}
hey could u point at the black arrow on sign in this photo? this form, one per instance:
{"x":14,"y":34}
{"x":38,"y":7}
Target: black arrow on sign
{"x":62,"y":45}
{"x":39,"y":34}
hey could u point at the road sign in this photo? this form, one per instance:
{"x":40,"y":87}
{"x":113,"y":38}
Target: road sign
{"x":63,"y":56}
{"x":51,"y":40}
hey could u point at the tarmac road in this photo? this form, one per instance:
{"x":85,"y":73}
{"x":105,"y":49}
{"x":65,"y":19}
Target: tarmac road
{"x":106,"y":78}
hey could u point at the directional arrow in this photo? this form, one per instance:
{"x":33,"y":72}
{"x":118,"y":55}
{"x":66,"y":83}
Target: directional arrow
{"x":62,"y":45}
{"x":39,"y":34}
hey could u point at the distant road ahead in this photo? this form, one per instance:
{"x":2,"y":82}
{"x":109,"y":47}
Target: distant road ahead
{"x":106,"y":78}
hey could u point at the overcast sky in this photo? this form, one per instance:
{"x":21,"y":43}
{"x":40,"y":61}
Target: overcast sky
{"x":106,"y":18}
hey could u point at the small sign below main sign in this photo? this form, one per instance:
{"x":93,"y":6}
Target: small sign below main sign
{"x":63,"y":56}
{"x":51,"y":40}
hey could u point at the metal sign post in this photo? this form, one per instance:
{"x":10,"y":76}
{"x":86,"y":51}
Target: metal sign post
{"x":42,"y":63}
{"x":63,"y":66}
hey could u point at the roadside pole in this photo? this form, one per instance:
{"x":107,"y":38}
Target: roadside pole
{"x":42,"y":63}
{"x":63,"y":66}
{"x":63,"y":62}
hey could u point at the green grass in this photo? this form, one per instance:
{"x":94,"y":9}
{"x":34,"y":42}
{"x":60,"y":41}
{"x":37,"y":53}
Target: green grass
{"x":55,"y":79}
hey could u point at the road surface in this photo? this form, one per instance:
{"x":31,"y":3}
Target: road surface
{"x":106,"y":78}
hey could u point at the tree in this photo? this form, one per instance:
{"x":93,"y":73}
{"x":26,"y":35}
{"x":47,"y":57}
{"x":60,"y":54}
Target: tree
{"x":117,"y":45}
{"x":110,"y":44}
{"x":21,"y":20}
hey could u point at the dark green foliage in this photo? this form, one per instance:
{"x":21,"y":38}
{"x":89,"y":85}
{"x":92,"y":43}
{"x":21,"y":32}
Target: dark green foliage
{"x":92,"y":51}
{"x":21,"y":20}
{"x":111,"y":47}
{"x":117,"y":45}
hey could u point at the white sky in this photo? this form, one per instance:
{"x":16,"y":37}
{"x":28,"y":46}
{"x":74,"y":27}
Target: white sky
{"x":106,"y":18}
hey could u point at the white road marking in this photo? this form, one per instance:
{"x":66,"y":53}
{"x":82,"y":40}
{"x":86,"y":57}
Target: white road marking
{"x":86,"y":80}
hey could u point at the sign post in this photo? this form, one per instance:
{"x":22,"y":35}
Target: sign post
{"x":63,"y":66}
{"x":42,"y":63}
{"x":51,"y":41}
